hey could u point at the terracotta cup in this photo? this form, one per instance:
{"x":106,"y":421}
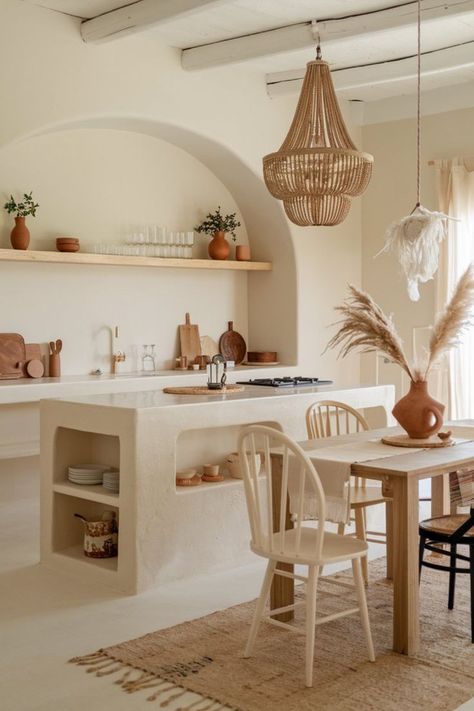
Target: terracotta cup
{"x":242,"y":253}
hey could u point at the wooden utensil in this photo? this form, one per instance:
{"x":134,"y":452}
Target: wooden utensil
{"x":54,"y":358}
{"x":232,"y":345}
{"x":12,"y":355}
{"x":189,"y":340}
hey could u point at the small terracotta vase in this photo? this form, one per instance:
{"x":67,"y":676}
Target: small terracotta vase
{"x":219,"y":248}
{"x":420,"y":415}
{"x":242,"y":253}
{"x":20,"y":234}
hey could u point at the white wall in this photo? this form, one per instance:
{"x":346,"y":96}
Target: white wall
{"x":98,"y":185}
{"x":224,"y":118}
{"x":392,"y":195}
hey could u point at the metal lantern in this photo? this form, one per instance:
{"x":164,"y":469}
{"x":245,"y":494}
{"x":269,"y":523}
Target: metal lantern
{"x":318,"y":168}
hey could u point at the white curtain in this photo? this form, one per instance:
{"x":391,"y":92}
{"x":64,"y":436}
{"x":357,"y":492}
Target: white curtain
{"x":455,"y":185}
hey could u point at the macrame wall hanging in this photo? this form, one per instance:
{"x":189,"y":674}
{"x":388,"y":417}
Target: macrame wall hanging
{"x":415,"y":239}
{"x":318,"y":169}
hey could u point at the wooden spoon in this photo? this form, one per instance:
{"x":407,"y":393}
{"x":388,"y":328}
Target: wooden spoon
{"x":59,"y":345}
{"x":52,"y":347}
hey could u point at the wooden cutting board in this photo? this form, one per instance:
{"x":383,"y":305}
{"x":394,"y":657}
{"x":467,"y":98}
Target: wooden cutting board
{"x":232,"y":345}
{"x":12,"y":355}
{"x":189,"y":340}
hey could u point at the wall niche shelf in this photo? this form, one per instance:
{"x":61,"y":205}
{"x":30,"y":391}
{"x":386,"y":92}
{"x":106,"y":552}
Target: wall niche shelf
{"x":14,"y":255}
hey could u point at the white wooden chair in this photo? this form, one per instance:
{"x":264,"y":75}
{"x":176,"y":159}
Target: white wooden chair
{"x":328,"y":418}
{"x":300,"y":545}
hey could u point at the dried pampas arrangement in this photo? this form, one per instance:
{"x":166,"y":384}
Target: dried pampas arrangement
{"x":366,"y":328}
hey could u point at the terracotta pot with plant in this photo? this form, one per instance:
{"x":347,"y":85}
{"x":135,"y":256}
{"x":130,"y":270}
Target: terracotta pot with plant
{"x":218,"y":226}
{"x":20,"y":234}
{"x":366,"y":328}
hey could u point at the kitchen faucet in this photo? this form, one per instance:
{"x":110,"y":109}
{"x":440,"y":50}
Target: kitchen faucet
{"x":117,"y":356}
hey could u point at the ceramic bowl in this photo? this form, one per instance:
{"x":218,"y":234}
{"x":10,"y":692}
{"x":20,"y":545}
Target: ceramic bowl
{"x":233,"y":465}
{"x":210,"y":469}
{"x":69,"y":247}
{"x":185,"y":473}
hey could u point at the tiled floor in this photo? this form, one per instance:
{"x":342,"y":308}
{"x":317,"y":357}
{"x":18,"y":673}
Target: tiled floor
{"x":46,"y":618}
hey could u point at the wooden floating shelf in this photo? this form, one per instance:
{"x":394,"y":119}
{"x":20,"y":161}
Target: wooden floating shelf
{"x":16,"y":255}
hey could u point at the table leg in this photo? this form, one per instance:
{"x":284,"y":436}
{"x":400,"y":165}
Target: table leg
{"x":282,"y":592}
{"x":389,"y":538}
{"x":440,"y":504}
{"x":406,"y":620}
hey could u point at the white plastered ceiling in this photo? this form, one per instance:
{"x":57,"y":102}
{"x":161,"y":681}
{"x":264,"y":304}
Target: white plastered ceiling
{"x":368,"y":65}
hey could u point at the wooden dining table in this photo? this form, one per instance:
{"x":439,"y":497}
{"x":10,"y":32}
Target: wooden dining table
{"x":400,"y":476}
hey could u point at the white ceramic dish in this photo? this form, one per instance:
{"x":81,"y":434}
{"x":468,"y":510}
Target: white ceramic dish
{"x":86,"y":482}
{"x":87,"y":468}
{"x":185,"y":473}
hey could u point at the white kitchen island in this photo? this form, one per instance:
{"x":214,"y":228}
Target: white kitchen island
{"x":165,"y":532}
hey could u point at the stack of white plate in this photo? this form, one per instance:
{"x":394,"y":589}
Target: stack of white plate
{"x":111,"y":481}
{"x":86,"y":474}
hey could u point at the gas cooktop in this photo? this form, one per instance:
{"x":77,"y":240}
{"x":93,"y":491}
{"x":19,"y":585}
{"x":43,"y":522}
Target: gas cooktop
{"x":297,"y":382}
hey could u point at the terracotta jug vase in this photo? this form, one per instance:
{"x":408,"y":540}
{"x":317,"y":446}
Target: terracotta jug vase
{"x":420,"y":415}
{"x":219,"y":248}
{"x":20,"y":234}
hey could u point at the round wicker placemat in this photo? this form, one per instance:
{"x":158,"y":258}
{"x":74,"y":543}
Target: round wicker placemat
{"x":203,"y":390}
{"x":406,"y":441}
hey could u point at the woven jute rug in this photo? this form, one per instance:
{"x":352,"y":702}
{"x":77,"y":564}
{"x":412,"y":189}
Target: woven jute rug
{"x":205,"y":656}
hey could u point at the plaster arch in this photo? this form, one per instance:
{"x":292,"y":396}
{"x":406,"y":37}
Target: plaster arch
{"x":272,"y":296}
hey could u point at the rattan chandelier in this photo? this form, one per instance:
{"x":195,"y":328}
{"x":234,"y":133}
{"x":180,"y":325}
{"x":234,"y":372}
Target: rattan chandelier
{"x":318,"y":169}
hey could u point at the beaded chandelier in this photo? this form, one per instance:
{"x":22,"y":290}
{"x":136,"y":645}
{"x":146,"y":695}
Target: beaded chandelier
{"x":318,"y":169}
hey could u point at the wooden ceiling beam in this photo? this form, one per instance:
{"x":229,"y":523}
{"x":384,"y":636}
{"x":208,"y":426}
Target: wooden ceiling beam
{"x":445,"y":60}
{"x":300,"y":36}
{"x":139,"y":16}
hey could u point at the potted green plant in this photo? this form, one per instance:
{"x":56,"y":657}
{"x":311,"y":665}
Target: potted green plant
{"x":218,"y":225}
{"x":20,"y":234}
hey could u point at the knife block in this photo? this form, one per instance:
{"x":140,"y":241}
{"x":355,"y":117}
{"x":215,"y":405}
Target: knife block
{"x":54,"y":365}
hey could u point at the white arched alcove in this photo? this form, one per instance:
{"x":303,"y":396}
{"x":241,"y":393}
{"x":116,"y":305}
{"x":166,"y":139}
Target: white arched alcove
{"x":270,"y":301}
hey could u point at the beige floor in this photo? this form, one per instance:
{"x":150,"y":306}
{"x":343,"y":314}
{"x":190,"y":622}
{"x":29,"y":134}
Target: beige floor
{"x":46,"y":618}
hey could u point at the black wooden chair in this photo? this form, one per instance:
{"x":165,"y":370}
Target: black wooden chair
{"x":453,"y":531}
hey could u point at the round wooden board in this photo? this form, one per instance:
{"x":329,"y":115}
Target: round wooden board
{"x":194,"y":481}
{"x":232,"y":345}
{"x":203,"y":390}
{"x":406,"y":441}
{"x":213,"y":479}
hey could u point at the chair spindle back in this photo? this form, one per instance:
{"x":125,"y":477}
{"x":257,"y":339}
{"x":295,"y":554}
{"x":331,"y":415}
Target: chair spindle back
{"x":329,"y":418}
{"x":287,"y":476}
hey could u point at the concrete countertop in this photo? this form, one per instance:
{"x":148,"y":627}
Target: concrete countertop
{"x":156,"y":399}
{"x":26,"y":390}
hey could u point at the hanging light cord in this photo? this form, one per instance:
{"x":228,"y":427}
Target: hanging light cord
{"x":316,"y":37}
{"x":418,"y":117}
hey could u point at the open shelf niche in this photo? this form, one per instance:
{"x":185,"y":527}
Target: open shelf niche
{"x":78,"y":447}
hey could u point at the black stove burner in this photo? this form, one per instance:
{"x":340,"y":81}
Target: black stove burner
{"x":287,"y":382}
